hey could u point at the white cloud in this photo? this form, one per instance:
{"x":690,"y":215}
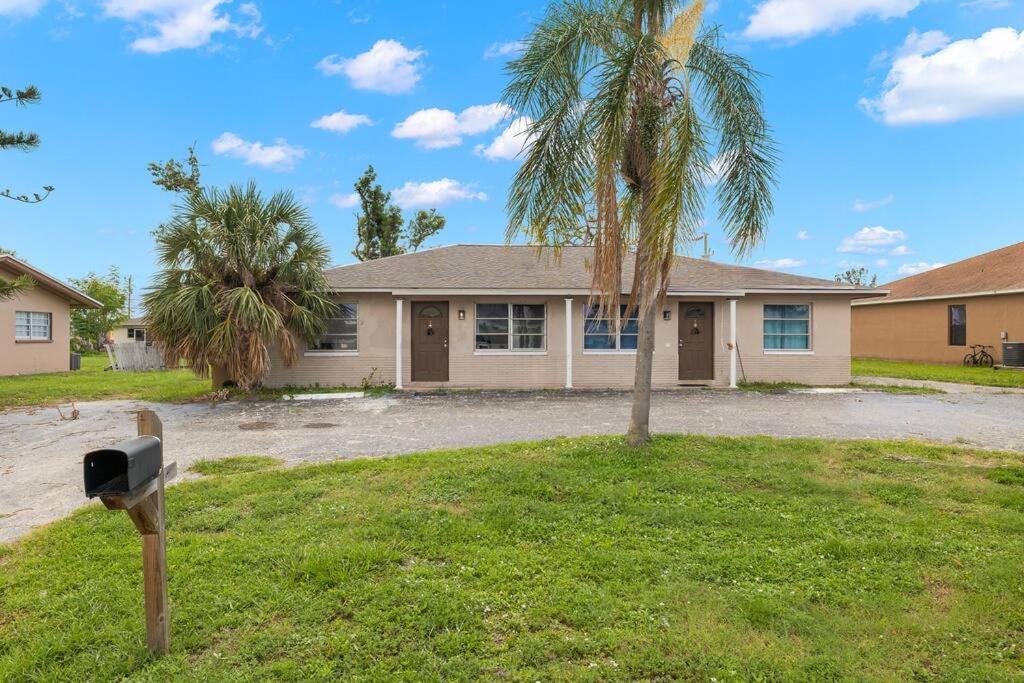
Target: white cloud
{"x":865,"y":205}
{"x":344,"y":201}
{"x":796,"y":19}
{"x":438,"y":128}
{"x":434,"y":194}
{"x":513,"y":141}
{"x":341,"y":121}
{"x":902,"y":250}
{"x":803,"y":235}
{"x":915,"y":268}
{"x":882,"y":263}
{"x":780,"y":264}
{"x":277,"y":157}
{"x":511,"y":49}
{"x":983,"y":76}
{"x":20,"y":8}
{"x":871,"y":240}
{"x":388,"y":67}
{"x":175,"y":24}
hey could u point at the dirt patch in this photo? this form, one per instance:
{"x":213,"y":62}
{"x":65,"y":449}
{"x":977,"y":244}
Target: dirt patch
{"x":256,"y":426}
{"x":319,"y":425}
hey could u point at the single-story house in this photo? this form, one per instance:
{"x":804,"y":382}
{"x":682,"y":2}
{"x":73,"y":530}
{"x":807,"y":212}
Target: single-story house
{"x":131,"y":330}
{"x":935,"y":316}
{"x":35,"y":325}
{"x":517,"y":317}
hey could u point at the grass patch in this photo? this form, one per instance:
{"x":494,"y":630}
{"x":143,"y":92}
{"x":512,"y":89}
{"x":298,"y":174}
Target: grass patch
{"x":235,"y":465}
{"x":786,"y":387}
{"x":93,"y":383}
{"x":939,"y":373}
{"x":577,"y":559}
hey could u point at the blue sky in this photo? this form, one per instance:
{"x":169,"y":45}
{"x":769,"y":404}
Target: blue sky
{"x":898,"y":121}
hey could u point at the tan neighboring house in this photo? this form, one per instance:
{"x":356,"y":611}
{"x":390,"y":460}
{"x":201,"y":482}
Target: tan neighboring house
{"x":935,"y":316}
{"x":35,"y":326}
{"x":131,"y":330}
{"x":517,"y":317}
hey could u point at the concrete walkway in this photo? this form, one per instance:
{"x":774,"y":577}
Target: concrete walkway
{"x":41,"y":455}
{"x":948,"y":387}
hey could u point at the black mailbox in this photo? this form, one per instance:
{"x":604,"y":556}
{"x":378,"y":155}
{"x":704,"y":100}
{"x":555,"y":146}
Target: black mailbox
{"x":123,"y":469}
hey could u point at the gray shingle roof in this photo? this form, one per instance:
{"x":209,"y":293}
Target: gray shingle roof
{"x":482,"y":267}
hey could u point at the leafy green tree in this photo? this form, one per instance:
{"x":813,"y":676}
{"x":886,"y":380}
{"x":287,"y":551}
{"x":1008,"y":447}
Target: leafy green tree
{"x":240,"y":273}
{"x":627,"y":112}
{"x":857,"y":276}
{"x":379,"y":224}
{"x":10,"y":288}
{"x":178,"y":177}
{"x":92,"y":324}
{"x":20,"y":140}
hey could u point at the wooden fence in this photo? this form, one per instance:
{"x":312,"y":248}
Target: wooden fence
{"x":135,"y":357}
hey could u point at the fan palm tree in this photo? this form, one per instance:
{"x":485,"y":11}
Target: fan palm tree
{"x":9,"y":288}
{"x":239,"y":274}
{"x":628,"y":101}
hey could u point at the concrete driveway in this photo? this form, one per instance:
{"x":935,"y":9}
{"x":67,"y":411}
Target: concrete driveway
{"x":40,"y":455}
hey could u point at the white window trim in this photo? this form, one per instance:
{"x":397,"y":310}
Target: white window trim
{"x":810,"y":330}
{"x":617,"y":351}
{"x":30,"y":338}
{"x":511,"y":351}
{"x":330,"y":353}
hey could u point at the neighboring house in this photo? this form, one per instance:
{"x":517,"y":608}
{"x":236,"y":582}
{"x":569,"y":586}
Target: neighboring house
{"x":935,"y":316}
{"x":517,"y":317}
{"x":35,"y":326}
{"x":131,"y":330}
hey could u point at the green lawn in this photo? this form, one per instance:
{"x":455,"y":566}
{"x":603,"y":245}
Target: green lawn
{"x":738,"y":559}
{"x":92,"y":383}
{"x":939,"y":373}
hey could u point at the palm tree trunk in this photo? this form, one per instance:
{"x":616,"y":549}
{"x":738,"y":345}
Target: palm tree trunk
{"x":219,"y":376}
{"x":640,"y":416}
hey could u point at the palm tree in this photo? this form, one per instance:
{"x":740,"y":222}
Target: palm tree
{"x":628,"y":101}
{"x":9,"y":288}
{"x":239,"y":274}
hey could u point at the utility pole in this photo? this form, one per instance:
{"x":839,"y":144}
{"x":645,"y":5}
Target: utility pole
{"x":707,"y":249}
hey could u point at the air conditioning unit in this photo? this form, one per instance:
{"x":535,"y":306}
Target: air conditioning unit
{"x":1013,"y":354}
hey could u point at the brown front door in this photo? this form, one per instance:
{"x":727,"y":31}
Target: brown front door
{"x":696,"y":341}
{"x":430,"y":341}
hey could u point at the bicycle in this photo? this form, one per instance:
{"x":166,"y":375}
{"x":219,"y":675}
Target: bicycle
{"x":979,"y":357}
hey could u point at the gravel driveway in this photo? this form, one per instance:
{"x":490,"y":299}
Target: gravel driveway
{"x":40,"y":455}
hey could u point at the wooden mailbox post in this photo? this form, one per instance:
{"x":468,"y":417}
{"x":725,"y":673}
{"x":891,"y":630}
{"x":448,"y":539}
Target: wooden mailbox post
{"x":145,"y":507}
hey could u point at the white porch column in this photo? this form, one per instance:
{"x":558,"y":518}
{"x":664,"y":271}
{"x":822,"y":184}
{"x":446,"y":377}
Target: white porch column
{"x":568,"y":343}
{"x":732,"y":343}
{"x":398,"y":343}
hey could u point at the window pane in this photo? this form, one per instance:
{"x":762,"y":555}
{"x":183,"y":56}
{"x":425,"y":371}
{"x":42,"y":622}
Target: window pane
{"x":528,"y":311}
{"x":628,"y":341}
{"x":786,"y":342}
{"x":492,"y":326}
{"x":341,"y":326}
{"x":527,"y":341}
{"x":630,"y":326}
{"x":958,"y":325}
{"x":336,"y":343}
{"x":786,"y":326}
{"x":602,"y":327}
{"x":598,"y":342}
{"x":632,"y":314}
{"x":347,"y":311}
{"x":787,"y":311}
{"x":492,"y":310}
{"x":492,"y":341}
{"x":527,"y":327}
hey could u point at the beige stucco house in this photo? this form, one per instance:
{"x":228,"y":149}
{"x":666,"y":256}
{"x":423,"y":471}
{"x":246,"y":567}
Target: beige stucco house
{"x":35,"y":326}
{"x":517,"y":317}
{"x":131,"y":330}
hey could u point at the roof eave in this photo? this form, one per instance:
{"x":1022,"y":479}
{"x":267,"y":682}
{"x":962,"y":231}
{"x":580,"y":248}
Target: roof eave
{"x":82,"y":300}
